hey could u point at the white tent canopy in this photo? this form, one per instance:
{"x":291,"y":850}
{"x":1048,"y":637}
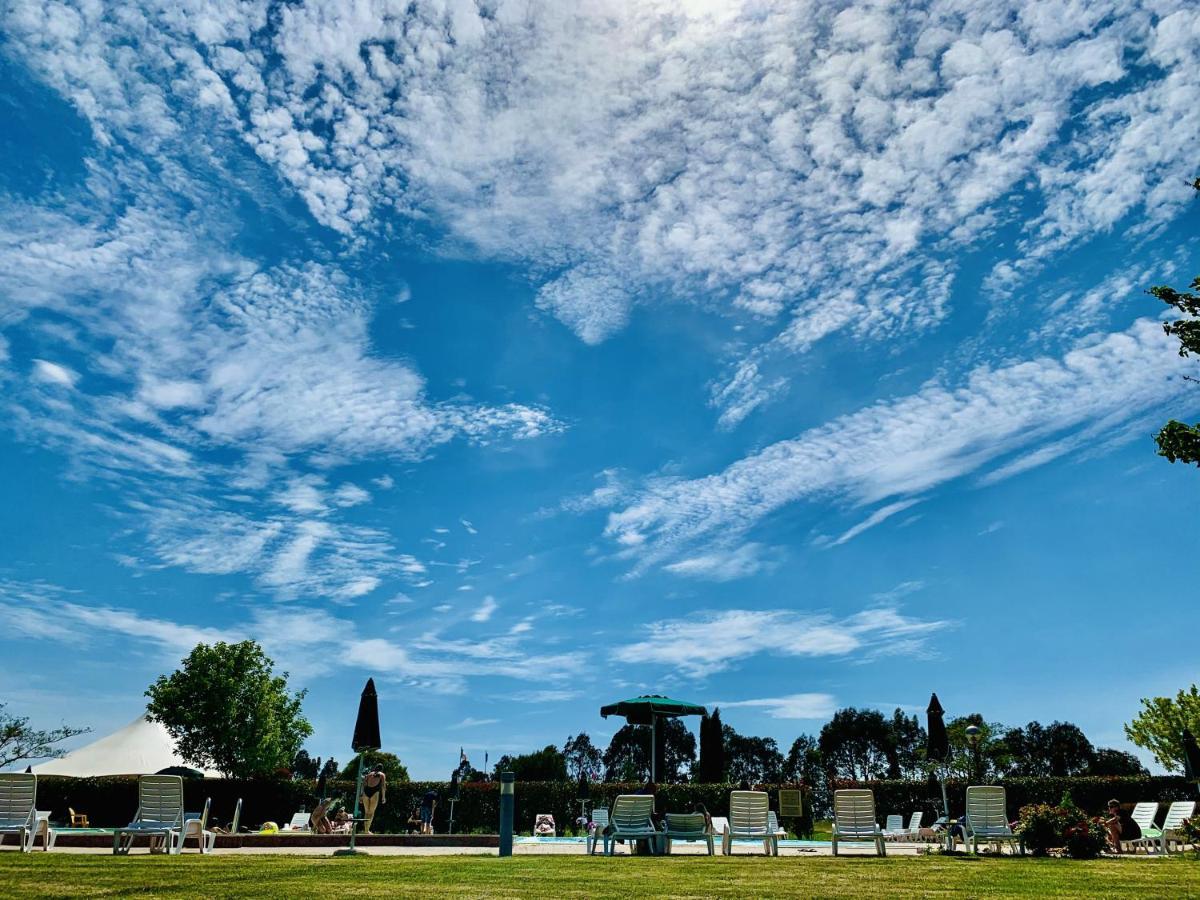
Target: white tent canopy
{"x":140,"y":748}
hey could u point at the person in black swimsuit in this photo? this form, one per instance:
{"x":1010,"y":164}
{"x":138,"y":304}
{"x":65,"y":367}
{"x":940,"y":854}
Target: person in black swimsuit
{"x":1121,"y":826}
{"x":374,"y":792}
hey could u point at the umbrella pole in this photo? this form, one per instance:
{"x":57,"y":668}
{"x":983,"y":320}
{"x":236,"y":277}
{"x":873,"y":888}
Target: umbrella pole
{"x":357,"y":797}
{"x":653,"y":749}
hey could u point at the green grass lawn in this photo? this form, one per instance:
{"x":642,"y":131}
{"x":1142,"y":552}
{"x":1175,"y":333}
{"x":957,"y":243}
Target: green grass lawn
{"x":217,"y":876}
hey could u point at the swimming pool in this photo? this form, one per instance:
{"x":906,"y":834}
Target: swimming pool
{"x":794,"y":844}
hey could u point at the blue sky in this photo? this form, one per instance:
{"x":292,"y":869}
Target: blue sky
{"x":529,"y":356}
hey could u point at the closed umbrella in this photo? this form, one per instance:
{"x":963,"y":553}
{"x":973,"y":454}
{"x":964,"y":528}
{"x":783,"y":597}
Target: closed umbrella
{"x":937,"y":746}
{"x":647,"y":710}
{"x":366,"y":737}
{"x":1191,"y":756}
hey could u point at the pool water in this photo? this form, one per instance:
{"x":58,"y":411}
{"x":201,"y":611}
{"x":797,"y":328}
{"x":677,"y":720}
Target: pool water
{"x":580,"y":840}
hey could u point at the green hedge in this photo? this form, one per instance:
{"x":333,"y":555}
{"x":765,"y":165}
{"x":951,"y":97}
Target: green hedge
{"x":112,"y":801}
{"x":1090,"y":793}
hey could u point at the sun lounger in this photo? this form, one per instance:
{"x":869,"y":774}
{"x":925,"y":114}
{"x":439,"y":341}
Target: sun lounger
{"x":686,"y":827}
{"x":78,"y":820}
{"x":987,"y":819}
{"x":773,"y":825}
{"x":854,"y":819}
{"x":913,"y":832}
{"x":893,"y":829}
{"x":159,"y":815}
{"x":18,"y":815}
{"x":1144,"y":815}
{"x":748,"y":815}
{"x":1169,"y":831}
{"x":630,"y":821}
{"x":301,"y":821}
{"x":596,"y":833}
{"x":196,"y":825}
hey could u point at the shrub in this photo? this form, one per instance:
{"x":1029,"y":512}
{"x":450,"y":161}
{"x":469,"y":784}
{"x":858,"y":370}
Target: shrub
{"x":1085,"y":838}
{"x":1042,"y":826}
{"x":1190,"y":830}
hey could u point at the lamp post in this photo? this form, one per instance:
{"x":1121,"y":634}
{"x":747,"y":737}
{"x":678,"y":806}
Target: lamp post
{"x":506,"y":812}
{"x":974,"y":736}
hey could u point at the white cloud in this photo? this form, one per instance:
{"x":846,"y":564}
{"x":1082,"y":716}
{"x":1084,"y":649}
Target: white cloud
{"x":897,"y":449}
{"x":748,"y":155}
{"x":710,"y":642}
{"x":793,"y":706}
{"x":471,"y":722}
{"x":880,"y":515}
{"x":54,"y":373}
{"x":383,"y":482}
{"x":486,"y":608}
{"x":723,"y":564}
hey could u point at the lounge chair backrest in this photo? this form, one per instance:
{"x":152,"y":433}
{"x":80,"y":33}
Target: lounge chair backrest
{"x":791,"y":803}
{"x":686,"y":823}
{"x":300,"y":821}
{"x":202,"y":817}
{"x":632,"y":811}
{"x":987,"y":809}
{"x":914,"y":823}
{"x":854,"y":811}
{"x":1177,"y":812}
{"x":600,"y":817}
{"x":895,"y":823}
{"x":1145,"y":814}
{"x":18,"y":794}
{"x":237,"y":817}
{"x":748,"y":811}
{"x":772,"y":822}
{"x":160,"y":799}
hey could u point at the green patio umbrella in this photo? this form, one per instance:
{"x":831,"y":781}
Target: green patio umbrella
{"x":647,"y":710}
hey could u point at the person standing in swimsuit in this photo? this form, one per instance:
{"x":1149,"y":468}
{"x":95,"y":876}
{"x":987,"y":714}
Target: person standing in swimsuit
{"x":374,"y":792}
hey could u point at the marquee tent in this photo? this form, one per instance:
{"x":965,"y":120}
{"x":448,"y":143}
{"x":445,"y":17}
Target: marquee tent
{"x":140,"y":748}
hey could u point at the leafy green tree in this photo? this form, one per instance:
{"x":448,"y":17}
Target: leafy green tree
{"x":753,"y":759}
{"x":304,"y":766}
{"x":227,"y":709}
{"x":627,"y":757}
{"x":1059,"y":749}
{"x":1116,"y":762}
{"x":396,"y":771}
{"x":805,"y":763}
{"x":19,"y":740}
{"x":1159,"y":726}
{"x":547,"y":764}
{"x":857,"y":744}
{"x":994,"y":758}
{"x":907,"y":737}
{"x":583,"y":757}
{"x":1178,"y":441}
{"x":329,"y":769}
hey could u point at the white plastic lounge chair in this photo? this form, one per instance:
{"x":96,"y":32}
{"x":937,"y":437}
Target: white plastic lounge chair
{"x":894,"y":829}
{"x":854,"y":819}
{"x":987,"y":819}
{"x":1144,"y":815}
{"x":1169,"y":831}
{"x":630,"y":820}
{"x":159,"y":815}
{"x":596,"y":835}
{"x":237,"y":817}
{"x":773,"y":825}
{"x":719,"y":824}
{"x":685,"y":827}
{"x":300,"y":822}
{"x":18,"y":796}
{"x":748,"y":814}
{"x":196,"y":825}
{"x":544,"y":826}
{"x":913,"y":832}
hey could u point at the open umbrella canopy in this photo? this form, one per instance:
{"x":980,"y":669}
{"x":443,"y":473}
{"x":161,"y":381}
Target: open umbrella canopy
{"x":937,"y":747}
{"x":645,"y":709}
{"x":366,"y":726}
{"x":1191,"y":756}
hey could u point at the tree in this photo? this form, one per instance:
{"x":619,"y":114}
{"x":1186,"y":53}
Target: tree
{"x":992,"y":753}
{"x":711,"y":767}
{"x":1116,"y":762}
{"x":393,"y":768}
{"x":583,"y":757}
{"x":627,"y":757}
{"x":18,"y":740}
{"x":226,"y":709}
{"x":304,"y":766}
{"x":329,"y":769}
{"x":1059,"y":749}
{"x":857,"y":745}
{"x":805,"y":763}
{"x":753,"y":759}
{"x":908,"y":739}
{"x":1159,"y":726}
{"x":547,"y":764}
{"x":1178,"y":441}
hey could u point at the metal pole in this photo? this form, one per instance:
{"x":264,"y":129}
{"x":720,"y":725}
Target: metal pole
{"x":350,"y":851}
{"x":450,"y":827}
{"x":506,"y":812}
{"x":654,"y":749}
